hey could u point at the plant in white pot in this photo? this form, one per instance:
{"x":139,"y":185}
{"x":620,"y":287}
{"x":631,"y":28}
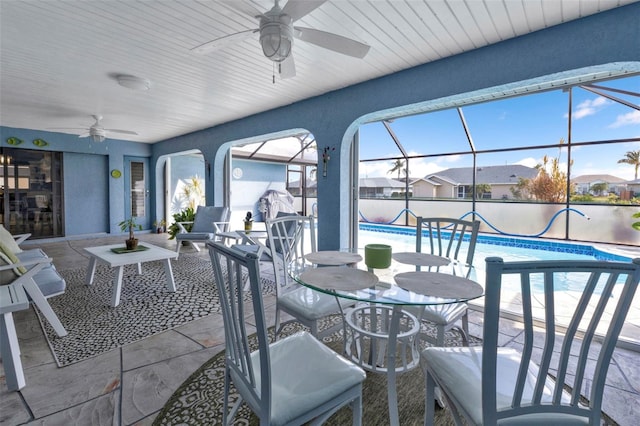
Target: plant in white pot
{"x":129,"y":225}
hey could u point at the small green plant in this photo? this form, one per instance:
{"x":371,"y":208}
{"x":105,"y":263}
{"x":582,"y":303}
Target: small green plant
{"x":129,"y":225}
{"x":636,"y":225}
{"x":186,"y":215}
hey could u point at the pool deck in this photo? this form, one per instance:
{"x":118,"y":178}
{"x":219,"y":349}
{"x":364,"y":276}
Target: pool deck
{"x":106,"y":390}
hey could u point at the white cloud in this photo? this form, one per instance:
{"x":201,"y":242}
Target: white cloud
{"x":628,"y":119}
{"x":529,"y":162}
{"x":589,"y":107}
{"x":449,"y":158}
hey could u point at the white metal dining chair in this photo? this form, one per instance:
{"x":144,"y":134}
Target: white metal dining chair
{"x":490,"y":385}
{"x":447,"y":237}
{"x":290,"y":382}
{"x":290,"y":238}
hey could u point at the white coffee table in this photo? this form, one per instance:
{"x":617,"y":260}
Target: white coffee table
{"x":105,"y":254}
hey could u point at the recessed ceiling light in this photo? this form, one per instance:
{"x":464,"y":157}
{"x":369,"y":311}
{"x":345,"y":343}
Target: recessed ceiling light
{"x":133,"y":82}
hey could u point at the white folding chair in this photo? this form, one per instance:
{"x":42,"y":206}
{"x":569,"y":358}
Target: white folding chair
{"x":491,"y":385}
{"x":290,"y":382}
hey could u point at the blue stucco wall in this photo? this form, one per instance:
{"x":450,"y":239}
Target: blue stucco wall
{"x":89,"y":171}
{"x":86,"y":171}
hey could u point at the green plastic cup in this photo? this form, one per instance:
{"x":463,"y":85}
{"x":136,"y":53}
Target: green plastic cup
{"x":377,"y":256}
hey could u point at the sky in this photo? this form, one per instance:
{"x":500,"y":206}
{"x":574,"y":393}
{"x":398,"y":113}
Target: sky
{"x":537,"y":119}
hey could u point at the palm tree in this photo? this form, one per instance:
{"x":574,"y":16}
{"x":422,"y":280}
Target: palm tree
{"x":398,"y":166}
{"x":632,"y":158}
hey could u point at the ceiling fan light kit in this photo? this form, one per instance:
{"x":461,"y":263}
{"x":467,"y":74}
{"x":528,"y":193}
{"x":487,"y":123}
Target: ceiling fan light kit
{"x":277,"y":33}
{"x":276,"y":37}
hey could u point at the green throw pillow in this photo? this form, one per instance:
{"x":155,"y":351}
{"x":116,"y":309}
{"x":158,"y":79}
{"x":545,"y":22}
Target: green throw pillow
{"x":10,"y":257}
{"x":7,"y":239}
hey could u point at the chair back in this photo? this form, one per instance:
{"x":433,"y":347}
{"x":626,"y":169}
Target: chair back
{"x":251,"y":377}
{"x":596,"y":318}
{"x":290,"y":238}
{"x":446,"y":237}
{"x":207,"y":215}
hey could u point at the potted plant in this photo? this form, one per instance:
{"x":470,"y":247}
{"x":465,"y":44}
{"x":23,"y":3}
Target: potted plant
{"x":248,"y":222}
{"x":159,"y":225}
{"x":129,"y":225}
{"x":186,"y":215}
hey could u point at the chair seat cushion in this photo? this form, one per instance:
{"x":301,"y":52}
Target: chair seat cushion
{"x":303,"y":302}
{"x":306,"y":374}
{"x":50,"y":282}
{"x":195,"y":236}
{"x":33,"y":254}
{"x":460,"y":369}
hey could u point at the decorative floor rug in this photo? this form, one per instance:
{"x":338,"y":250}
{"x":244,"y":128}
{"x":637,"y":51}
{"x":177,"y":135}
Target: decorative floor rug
{"x":146,"y":306}
{"x":199,"y":400}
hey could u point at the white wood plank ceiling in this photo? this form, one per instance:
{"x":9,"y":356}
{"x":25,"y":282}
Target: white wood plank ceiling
{"x":59,"y":58}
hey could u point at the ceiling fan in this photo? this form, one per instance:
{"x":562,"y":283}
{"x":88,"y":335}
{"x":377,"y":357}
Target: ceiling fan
{"x":96,"y":132}
{"x":277,"y":33}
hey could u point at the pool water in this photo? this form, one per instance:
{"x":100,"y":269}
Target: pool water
{"x":509,"y":249}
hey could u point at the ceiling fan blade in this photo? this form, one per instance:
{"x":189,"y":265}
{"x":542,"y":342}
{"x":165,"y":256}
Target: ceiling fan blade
{"x":287,"y":68}
{"x":124,"y":132}
{"x":222,"y":42}
{"x":296,"y":9}
{"x":331,"y":41}
{"x":84,"y":135}
{"x":66,"y":128}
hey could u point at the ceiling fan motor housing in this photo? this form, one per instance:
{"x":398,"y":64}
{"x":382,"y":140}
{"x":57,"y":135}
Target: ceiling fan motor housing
{"x":276,"y":36}
{"x":98,"y":134}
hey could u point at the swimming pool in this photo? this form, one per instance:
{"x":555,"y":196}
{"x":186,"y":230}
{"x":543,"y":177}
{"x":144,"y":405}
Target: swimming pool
{"x":508,"y":248}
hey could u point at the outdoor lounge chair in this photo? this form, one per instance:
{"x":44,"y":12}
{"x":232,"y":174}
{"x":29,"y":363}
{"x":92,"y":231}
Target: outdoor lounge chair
{"x":503,"y":385}
{"x":293,"y":381}
{"x":208,"y":221}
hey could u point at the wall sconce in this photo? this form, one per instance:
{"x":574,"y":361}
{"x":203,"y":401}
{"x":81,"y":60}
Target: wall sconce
{"x":325,"y":159}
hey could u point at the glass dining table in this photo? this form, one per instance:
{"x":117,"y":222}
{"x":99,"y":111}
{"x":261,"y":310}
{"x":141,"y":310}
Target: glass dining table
{"x":381,"y":330}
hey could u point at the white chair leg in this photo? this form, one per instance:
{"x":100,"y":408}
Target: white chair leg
{"x":440,"y":336}
{"x":10,"y":351}
{"x":429,"y":402}
{"x":38,"y":298}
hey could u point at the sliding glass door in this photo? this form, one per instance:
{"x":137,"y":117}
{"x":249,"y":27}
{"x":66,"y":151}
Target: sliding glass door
{"x":31,"y":192}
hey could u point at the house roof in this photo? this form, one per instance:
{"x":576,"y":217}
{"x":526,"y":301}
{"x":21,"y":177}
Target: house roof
{"x":380,"y":182}
{"x":413,"y":181}
{"x":486,"y":175}
{"x":597,"y":178}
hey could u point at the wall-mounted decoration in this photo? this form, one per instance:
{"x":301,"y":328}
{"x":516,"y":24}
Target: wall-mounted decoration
{"x":14,"y":141}
{"x":237,"y":173}
{"x":116,"y":173}
{"x":40,"y":142}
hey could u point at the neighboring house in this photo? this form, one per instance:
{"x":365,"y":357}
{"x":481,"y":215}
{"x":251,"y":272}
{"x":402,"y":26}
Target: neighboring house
{"x":458,"y":182}
{"x":381,"y":187}
{"x":634,"y":187}
{"x":610,"y":184}
{"x":425,"y":188}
